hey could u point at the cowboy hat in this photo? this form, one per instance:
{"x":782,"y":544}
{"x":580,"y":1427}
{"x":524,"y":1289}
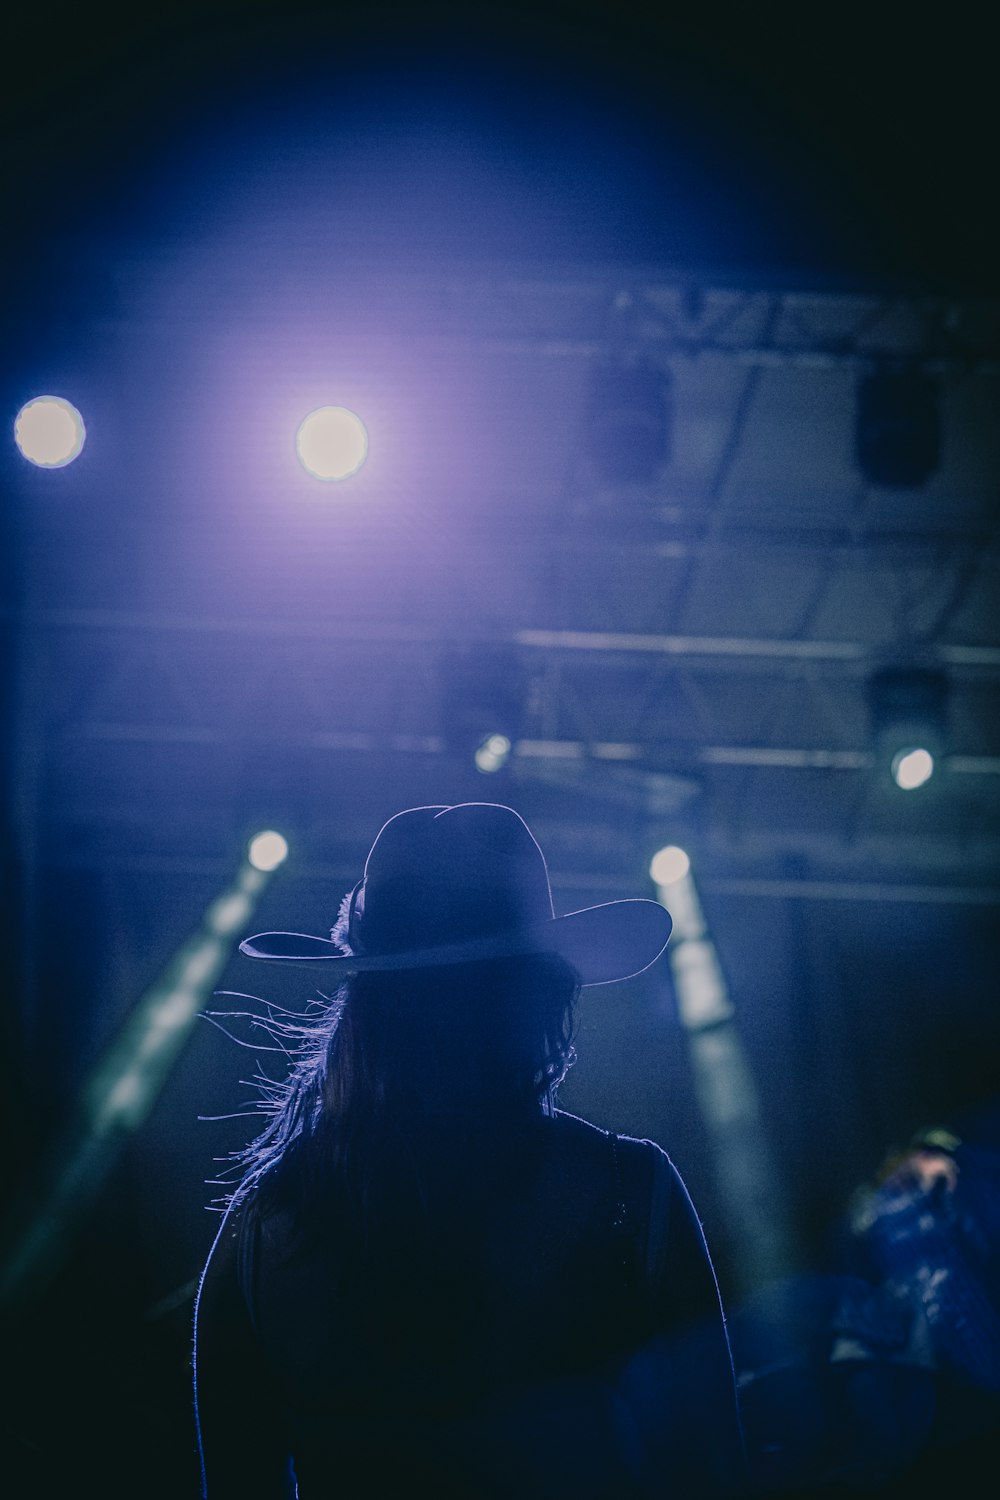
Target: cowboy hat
{"x":450,"y":885}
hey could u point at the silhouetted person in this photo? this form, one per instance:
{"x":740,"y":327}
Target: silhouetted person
{"x":431,"y":1281}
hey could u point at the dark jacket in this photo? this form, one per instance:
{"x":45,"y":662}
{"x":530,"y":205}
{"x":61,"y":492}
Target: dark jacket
{"x":573,"y":1344}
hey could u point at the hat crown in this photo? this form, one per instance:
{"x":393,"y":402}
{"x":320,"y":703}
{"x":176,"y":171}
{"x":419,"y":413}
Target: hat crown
{"x":467,"y":884}
{"x":439,"y":875}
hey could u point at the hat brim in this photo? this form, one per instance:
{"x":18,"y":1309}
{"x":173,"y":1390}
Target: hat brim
{"x":604,"y":944}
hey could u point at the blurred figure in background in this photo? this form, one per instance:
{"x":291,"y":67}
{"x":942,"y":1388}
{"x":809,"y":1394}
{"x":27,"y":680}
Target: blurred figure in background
{"x":927,"y":1231}
{"x":884,"y":1373}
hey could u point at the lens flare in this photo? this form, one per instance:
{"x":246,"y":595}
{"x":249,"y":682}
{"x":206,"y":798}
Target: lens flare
{"x":49,"y":432}
{"x":332,"y":443}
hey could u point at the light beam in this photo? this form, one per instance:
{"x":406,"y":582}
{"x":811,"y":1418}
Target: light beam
{"x":126,"y":1083}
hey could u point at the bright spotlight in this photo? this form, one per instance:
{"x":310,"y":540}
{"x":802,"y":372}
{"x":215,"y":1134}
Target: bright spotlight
{"x":266,"y":851}
{"x":49,"y":432}
{"x":911,"y":768}
{"x":909,"y":718}
{"x":669,"y":865}
{"x":492,"y":753}
{"x":332,"y":443}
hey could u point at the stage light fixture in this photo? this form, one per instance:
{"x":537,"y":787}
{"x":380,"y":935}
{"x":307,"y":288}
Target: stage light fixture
{"x":908,"y":707}
{"x":267,"y":850}
{"x":912,"y":768}
{"x":669,"y":865}
{"x":629,"y":421}
{"x":49,"y":432}
{"x":493,"y":753}
{"x":331,"y":443}
{"x":898,"y":428}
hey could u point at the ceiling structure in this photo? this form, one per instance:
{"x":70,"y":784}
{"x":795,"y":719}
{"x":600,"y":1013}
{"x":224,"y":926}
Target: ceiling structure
{"x":696,"y":647}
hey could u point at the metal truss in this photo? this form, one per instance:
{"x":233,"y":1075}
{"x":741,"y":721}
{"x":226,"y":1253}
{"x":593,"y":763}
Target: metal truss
{"x":608,"y":696}
{"x":677,"y":635}
{"x":662,"y":311}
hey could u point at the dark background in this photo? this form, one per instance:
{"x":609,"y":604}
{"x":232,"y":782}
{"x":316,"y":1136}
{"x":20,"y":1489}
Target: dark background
{"x":192,"y":202}
{"x":847,"y":141}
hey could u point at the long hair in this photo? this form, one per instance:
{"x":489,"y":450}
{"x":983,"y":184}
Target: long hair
{"x":411,"y":1100}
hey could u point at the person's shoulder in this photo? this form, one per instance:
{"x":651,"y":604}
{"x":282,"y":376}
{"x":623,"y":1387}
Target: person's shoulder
{"x":574,"y":1128}
{"x":631,"y":1149}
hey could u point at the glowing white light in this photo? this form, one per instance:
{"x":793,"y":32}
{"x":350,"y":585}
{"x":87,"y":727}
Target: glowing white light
{"x":198,"y":968}
{"x":492,"y":753}
{"x":332,"y":443}
{"x":267,"y":850}
{"x":49,"y":431}
{"x":911,"y":768}
{"x":669,"y":865}
{"x":228,"y":913}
